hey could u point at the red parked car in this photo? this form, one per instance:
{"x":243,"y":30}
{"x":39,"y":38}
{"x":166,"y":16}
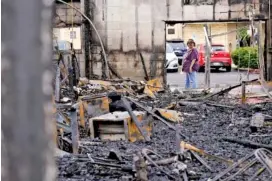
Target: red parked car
{"x":220,"y":58}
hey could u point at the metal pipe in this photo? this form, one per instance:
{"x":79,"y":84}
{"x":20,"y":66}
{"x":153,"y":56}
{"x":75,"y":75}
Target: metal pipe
{"x":99,"y":38}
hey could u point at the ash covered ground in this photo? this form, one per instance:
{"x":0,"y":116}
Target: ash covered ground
{"x":203,"y":125}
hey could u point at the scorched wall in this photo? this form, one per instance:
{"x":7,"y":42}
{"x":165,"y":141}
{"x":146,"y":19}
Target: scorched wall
{"x":130,"y":27}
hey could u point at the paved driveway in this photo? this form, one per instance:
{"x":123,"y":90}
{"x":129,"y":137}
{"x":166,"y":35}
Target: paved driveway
{"x":219,"y":78}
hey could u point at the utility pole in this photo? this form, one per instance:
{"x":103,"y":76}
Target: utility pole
{"x":207,"y":57}
{"x":27,"y":126}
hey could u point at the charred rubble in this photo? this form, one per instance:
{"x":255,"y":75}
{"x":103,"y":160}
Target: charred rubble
{"x":206,"y":130}
{"x":139,"y":130}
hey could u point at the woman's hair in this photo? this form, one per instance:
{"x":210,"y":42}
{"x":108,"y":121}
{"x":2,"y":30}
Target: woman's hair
{"x":191,"y":41}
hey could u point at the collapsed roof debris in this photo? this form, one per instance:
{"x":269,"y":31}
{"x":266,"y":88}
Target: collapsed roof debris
{"x":129,"y":130}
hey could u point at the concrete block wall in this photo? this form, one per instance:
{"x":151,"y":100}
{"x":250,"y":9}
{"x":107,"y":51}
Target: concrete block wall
{"x":65,"y":15}
{"x":128,"y":27}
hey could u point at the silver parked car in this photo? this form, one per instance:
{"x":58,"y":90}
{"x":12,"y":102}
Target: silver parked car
{"x":171,"y":59}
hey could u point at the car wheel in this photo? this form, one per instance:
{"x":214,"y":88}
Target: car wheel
{"x":228,"y":69}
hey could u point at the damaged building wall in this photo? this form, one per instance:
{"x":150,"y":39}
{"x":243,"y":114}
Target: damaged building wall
{"x":66,"y":19}
{"x":133,"y":26}
{"x":130,"y":27}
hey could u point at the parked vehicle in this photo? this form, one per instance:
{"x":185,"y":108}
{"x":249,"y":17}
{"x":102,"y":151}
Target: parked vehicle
{"x":179,"y":48}
{"x":220,"y":58}
{"x":171,"y":59}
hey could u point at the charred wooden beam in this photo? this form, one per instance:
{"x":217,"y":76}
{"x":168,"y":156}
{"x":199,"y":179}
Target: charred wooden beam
{"x":247,"y":143}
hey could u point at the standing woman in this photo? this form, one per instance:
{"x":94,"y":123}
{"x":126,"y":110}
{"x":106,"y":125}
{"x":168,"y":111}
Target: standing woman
{"x":190,"y":65}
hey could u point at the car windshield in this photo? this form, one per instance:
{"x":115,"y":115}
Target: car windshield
{"x":217,"y":48}
{"x":169,"y":49}
{"x":177,"y":45}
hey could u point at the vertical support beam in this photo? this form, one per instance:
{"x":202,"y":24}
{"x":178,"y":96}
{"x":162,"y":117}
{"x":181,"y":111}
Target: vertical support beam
{"x":27,"y":127}
{"x":265,"y":53}
{"x":243,"y":92}
{"x":207,"y":59}
{"x":260,"y":51}
{"x":87,"y":34}
{"x":75,"y":134}
{"x":54,"y":111}
{"x":269,"y":24}
{"x":164,"y":72}
{"x":268,"y":50}
{"x":57,"y":86}
{"x":81,"y":114}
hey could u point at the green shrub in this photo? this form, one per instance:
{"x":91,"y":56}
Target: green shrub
{"x":245,"y":54}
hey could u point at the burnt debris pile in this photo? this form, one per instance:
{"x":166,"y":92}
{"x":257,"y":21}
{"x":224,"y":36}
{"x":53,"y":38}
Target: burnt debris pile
{"x":129,"y":130}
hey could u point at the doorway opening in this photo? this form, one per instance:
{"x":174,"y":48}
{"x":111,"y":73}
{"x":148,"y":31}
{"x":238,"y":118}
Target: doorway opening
{"x":233,"y":50}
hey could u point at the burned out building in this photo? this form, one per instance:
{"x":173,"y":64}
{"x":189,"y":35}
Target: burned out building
{"x":202,"y":125}
{"x":132,"y":28}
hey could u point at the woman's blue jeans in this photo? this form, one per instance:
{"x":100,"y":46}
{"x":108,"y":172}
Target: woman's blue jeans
{"x":191,"y":80}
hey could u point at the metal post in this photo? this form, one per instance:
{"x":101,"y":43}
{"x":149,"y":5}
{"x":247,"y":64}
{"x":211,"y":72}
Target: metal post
{"x":269,"y":22}
{"x":269,"y":35}
{"x":70,"y":76}
{"x":81,"y":114}
{"x":87,"y":34}
{"x":243,"y":92}
{"x":207,"y":60}
{"x":75,"y":134}
{"x":27,"y":126}
{"x":164,"y":71}
{"x":260,"y":51}
{"x":57,"y":86}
